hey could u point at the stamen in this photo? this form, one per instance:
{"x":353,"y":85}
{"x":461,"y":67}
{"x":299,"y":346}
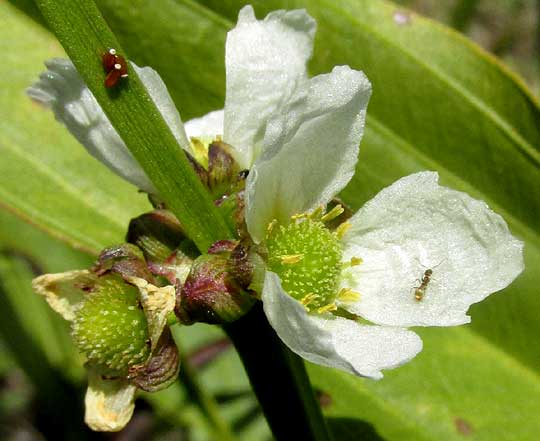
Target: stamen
{"x":118,"y":66}
{"x":327,"y":308}
{"x":347,"y":295}
{"x":270,"y":227}
{"x":355,"y":261}
{"x":333,"y":213}
{"x":299,"y":216}
{"x":291,"y":258}
{"x":308,"y":298}
{"x":342,"y":229}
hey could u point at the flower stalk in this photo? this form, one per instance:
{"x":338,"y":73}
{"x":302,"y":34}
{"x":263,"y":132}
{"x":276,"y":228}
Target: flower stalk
{"x":279,"y":379}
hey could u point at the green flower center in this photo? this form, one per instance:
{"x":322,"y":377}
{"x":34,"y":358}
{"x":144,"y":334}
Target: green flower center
{"x":110,"y":328}
{"x":307,"y":258}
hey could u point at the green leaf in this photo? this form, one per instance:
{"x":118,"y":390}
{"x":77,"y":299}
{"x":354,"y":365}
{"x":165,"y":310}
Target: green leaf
{"x":33,"y":316}
{"x":26,"y":252}
{"x":460,"y":387}
{"x":45,"y":176}
{"x":45,"y":254}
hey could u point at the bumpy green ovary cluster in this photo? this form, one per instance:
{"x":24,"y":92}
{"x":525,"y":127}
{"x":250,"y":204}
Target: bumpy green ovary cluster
{"x":110,"y":328}
{"x":307,"y":258}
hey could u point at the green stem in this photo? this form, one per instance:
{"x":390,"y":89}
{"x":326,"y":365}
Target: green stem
{"x":206,"y":403}
{"x":85,"y":36}
{"x":279,"y":379}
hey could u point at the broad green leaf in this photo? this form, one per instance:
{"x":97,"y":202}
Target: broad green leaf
{"x":460,"y":387}
{"x":26,"y":252}
{"x":46,"y":254}
{"x":45,"y":176}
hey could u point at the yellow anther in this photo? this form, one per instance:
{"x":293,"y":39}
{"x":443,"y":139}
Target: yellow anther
{"x":333,"y":213}
{"x":270,"y":227}
{"x":327,"y":308}
{"x":219,"y":138}
{"x":299,"y":216}
{"x":291,"y":258}
{"x":347,"y":295}
{"x":342,"y":229}
{"x":355,"y":261}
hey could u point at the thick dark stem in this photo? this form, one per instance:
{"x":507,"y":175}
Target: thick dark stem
{"x":279,"y":380}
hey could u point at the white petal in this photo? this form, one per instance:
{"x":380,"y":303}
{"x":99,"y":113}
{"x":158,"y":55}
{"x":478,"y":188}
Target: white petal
{"x":64,"y":291}
{"x":62,"y":89}
{"x":207,"y":126}
{"x":265,"y":61}
{"x":109,"y":403}
{"x":160,"y":95}
{"x":334,"y":341}
{"x":310,"y":148}
{"x":415,"y":225}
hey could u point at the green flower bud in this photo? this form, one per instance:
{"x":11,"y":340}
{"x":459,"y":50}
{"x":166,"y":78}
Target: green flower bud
{"x":211,"y":293}
{"x":126,"y":260}
{"x":232,"y":210}
{"x":222,"y":169}
{"x":157,"y":233}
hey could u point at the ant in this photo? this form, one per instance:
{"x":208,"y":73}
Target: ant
{"x":420,"y":290}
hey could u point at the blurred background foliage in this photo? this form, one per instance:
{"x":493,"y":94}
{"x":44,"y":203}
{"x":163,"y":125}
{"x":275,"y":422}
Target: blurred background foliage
{"x":478,"y":383}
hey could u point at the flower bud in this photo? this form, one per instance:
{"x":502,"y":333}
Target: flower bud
{"x":126,"y":260}
{"x":232,"y":208}
{"x":222,"y":169}
{"x":157,"y":233}
{"x":211,"y":293}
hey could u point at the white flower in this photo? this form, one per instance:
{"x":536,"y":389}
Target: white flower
{"x":410,"y":227}
{"x":299,"y":137}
